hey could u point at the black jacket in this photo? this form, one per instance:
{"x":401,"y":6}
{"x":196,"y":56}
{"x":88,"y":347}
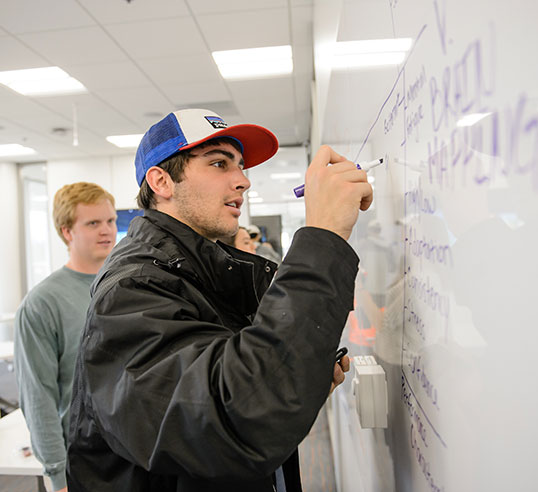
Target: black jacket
{"x":183,"y":383}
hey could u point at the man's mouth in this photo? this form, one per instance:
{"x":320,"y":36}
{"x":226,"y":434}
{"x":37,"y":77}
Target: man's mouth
{"x":235,"y":203}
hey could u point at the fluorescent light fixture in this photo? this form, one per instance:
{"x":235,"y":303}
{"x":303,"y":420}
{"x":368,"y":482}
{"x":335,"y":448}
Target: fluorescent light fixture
{"x":285,"y":175}
{"x":48,"y":81}
{"x":373,"y":46}
{"x":370,"y":53}
{"x":471,"y":119}
{"x":252,"y":194}
{"x":254,"y":62}
{"x":12,"y":150}
{"x":257,"y":199}
{"x":125,"y":141}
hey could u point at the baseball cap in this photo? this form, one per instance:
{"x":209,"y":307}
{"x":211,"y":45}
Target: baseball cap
{"x":253,"y":230}
{"x":187,"y":128}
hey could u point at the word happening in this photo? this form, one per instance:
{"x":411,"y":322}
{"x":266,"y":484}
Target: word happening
{"x":504,"y":142}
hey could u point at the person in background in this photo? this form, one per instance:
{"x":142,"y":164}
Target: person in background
{"x":263,"y":248}
{"x":50,"y":320}
{"x":241,"y":240}
{"x":198,"y":370}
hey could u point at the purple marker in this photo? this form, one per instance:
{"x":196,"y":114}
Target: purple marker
{"x":365,"y":166}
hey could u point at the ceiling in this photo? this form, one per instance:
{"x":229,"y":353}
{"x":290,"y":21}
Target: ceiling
{"x":142,"y":59}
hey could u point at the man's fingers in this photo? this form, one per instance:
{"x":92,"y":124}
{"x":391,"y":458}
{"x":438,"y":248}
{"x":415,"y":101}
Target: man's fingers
{"x":345,"y":363}
{"x":338,"y":375}
{"x":324,"y":156}
{"x":367,"y":196}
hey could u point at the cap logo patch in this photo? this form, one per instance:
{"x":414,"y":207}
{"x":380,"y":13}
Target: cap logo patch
{"x":216,"y":122}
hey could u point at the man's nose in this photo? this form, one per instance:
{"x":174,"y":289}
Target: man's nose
{"x":107,"y":228}
{"x":243,"y":182}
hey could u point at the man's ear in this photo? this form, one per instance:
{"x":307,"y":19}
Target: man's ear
{"x":66,"y":233}
{"x":160,"y":182}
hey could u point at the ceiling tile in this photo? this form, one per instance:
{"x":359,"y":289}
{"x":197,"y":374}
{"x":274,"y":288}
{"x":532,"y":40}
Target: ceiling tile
{"x":186,"y":94}
{"x":254,"y":29}
{"x":218,"y":6}
{"x":44,"y":145}
{"x":92,"y":112}
{"x":145,"y":59}
{"x":135,"y":103}
{"x":22,"y":16}
{"x":17,"y":107}
{"x":75,"y":46}
{"x":265,"y":97}
{"x":162,"y":38}
{"x":119,"y":11}
{"x":14,"y":55}
{"x":109,"y":75}
{"x":180,"y":70}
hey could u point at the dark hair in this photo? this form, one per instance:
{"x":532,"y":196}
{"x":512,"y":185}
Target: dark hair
{"x":175,"y":166}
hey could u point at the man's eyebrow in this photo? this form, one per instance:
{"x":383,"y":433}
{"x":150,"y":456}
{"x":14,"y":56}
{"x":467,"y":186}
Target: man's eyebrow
{"x":225,"y":153}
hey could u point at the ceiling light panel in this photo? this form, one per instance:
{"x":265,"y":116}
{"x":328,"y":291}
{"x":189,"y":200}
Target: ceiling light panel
{"x":370,"y":53}
{"x":47,"y":81}
{"x":12,"y":150}
{"x":254,"y":62}
{"x":125,"y":141}
{"x":373,"y":46}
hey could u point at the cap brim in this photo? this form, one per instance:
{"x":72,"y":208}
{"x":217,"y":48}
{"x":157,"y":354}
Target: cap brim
{"x":259,"y":144}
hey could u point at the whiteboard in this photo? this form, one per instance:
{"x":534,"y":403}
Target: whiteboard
{"x":446,"y":294}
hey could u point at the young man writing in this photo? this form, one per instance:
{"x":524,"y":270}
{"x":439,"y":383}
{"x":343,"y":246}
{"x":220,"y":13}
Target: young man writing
{"x":50,"y":320}
{"x":196,"y":373}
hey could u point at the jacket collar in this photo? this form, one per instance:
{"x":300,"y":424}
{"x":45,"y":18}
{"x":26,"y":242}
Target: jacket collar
{"x":236,"y":277}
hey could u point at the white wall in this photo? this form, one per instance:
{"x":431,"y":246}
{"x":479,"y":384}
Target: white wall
{"x":114,"y":174}
{"x":10,"y":246}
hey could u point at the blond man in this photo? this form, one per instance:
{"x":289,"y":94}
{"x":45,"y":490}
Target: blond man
{"x":51,"y":318}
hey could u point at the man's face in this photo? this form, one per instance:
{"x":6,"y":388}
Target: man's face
{"x":209,"y":197}
{"x":93,"y":234}
{"x":243,"y":242}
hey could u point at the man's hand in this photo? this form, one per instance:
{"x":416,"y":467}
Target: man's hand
{"x":62,"y":490}
{"x":339,"y":369}
{"x":335,"y":193}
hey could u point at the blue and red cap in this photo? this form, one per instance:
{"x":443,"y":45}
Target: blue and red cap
{"x":186,"y":128}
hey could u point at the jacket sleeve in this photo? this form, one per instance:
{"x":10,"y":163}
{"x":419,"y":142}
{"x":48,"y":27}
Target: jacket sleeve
{"x":36,"y":367}
{"x":169,"y":391}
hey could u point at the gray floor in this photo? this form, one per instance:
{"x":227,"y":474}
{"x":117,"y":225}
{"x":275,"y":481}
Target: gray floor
{"x":315,"y":454}
{"x":316,"y":458}
{"x":18,"y":484}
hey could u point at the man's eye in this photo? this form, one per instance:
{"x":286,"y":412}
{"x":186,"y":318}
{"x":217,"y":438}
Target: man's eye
{"x":219,"y":164}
